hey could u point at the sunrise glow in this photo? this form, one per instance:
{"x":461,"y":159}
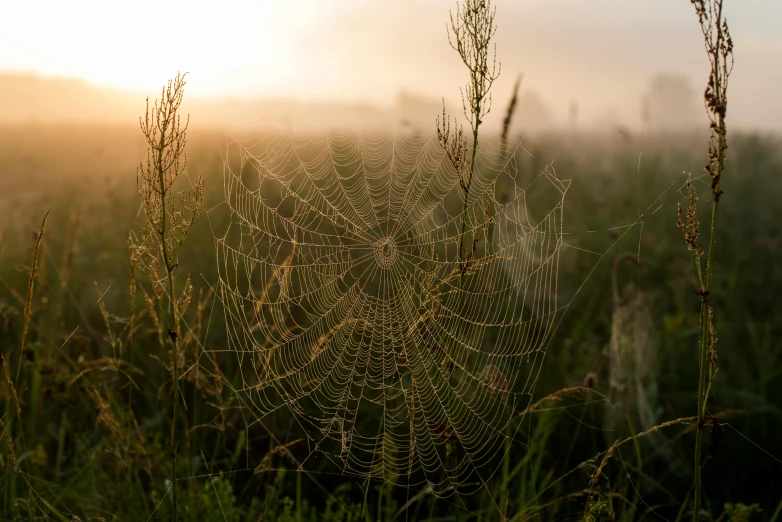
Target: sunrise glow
{"x":138,"y":45}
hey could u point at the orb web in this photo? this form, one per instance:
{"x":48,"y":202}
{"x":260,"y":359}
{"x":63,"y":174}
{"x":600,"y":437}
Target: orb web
{"x":350,"y":309}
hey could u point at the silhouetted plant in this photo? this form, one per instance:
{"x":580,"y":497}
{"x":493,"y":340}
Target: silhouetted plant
{"x":168,"y":219}
{"x":719,"y":48}
{"x":473,"y":28}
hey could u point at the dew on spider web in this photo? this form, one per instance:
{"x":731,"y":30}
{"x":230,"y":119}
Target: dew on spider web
{"x":339,"y":275}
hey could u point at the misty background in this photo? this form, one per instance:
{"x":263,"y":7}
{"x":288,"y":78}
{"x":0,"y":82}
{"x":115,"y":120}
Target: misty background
{"x":308,"y":65}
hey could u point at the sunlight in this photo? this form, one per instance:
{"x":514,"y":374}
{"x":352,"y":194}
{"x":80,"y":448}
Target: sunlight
{"x":304,"y":260}
{"x":138,"y":45}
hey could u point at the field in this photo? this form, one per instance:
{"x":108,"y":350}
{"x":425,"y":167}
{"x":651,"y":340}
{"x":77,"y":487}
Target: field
{"x":87,"y":423}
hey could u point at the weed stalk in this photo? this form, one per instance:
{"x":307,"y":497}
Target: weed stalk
{"x":719,"y":48}
{"x":473,"y":28}
{"x":168,"y":221}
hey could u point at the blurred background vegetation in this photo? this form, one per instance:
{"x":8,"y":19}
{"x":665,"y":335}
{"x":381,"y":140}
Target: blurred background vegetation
{"x":92,"y":384}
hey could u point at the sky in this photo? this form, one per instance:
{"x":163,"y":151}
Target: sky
{"x":600,"y":53}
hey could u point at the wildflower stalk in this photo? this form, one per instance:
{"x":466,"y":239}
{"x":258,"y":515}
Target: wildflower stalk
{"x":28,"y":303}
{"x":172,"y":332}
{"x":168,"y":221}
{"x":719,"y":48}
{"x":509,"y":117}
{"x":473,"y":29}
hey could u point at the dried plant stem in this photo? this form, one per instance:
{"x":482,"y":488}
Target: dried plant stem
{"x":168,"y":221}
{"x":172,"y":316}
{"x":719,"y":48}
{"x":28,"y":312}
{"x":28,"y":304}
{"x":473,"y":28}
{"x":172,"y":331}
{"x":509,"y":117}
{"x":607,"y":454}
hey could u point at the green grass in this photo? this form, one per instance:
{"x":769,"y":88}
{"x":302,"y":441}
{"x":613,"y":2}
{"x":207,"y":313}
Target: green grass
{"x":92,"y":440}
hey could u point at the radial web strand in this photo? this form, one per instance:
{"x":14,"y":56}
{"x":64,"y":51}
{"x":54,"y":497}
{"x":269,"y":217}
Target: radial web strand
{"x":347,"y":304}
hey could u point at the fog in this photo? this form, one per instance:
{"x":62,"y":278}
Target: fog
{"x":303,"y":64}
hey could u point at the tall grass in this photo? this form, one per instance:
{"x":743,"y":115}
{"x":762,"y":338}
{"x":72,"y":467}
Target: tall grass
{"x":112,"y":456}
{"x":168,"y":221}
{"x":86,"y":415}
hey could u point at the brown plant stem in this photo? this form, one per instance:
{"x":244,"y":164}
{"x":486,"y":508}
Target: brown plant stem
{"x":28,"y":304}
{"x":719,"y":48}
{"x":168,"y":220}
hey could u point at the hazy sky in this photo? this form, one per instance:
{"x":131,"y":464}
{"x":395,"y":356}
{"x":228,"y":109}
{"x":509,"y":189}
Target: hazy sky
{"x":599,"y":52}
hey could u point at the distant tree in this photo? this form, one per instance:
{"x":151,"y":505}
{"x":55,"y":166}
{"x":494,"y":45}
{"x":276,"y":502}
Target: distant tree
{"x":573,"y":115}
{"x":669,"y":103}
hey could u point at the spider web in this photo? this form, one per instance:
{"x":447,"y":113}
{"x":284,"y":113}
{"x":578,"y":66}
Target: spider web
{"x":348,"y":305}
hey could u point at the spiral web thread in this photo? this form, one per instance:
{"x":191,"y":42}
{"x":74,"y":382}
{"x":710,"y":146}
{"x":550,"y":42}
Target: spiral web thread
{"x":346,"y":304}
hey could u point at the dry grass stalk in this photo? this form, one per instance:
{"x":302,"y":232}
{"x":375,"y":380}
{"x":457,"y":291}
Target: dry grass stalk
{"x":509,"y":117}
{"x":281,"y":449}
{"x":610,"y":451}
{"x":689,"y":224}
{"x":168,"y":219}
{"x":28,"y":305}
{"x":719,"y":48}
{"x":113,"y":340}
{"x":11,"y":448}
{"x":711,"y":353}
{"x":41,"y":275}
{"x":472,"y":28}
{"x":564,"y":392}
{"x":154,"y":316}
{"x":12,"y":388}
{"x":203,"y":301}
{"x":281,"y":275}
{"x":455,"y":146}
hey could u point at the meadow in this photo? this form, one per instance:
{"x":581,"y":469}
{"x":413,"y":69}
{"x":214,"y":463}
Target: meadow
{"x":86,"y":425}
{"x":417,"y":325}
